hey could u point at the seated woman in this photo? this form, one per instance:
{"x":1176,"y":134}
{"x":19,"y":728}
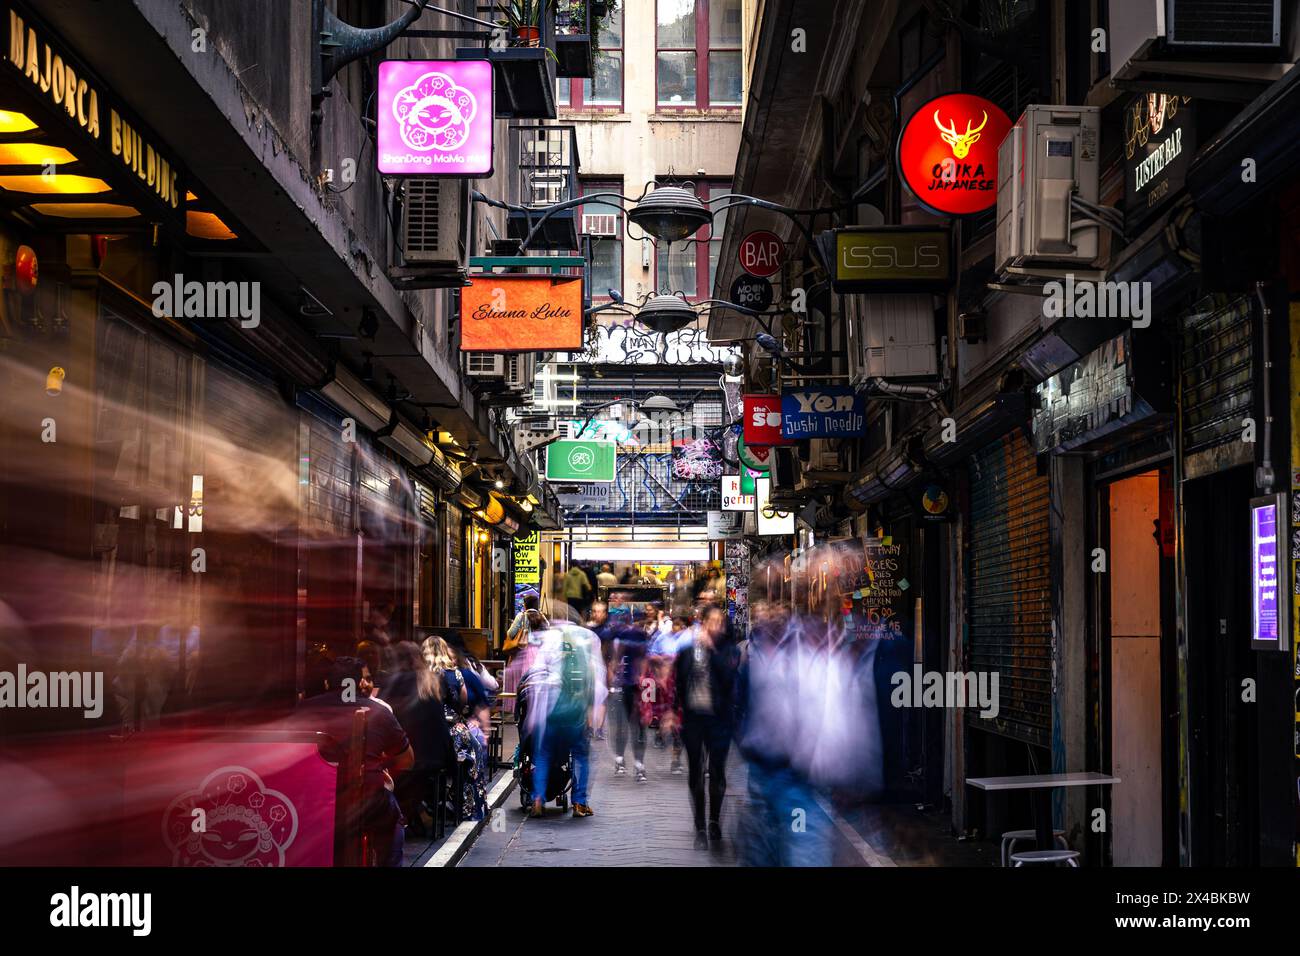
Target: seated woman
{"x":472,"y":800}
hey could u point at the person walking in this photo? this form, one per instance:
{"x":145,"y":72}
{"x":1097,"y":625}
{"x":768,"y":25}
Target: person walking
{"x":567,"y":696}
{"x":627,"y":669}
{"x":577,"y":590}
{"x":705,"y":674}
{"x":605,"y":578}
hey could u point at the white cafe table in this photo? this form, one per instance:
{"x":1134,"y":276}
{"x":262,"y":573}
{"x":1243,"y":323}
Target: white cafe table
{"x":1043,"y":784}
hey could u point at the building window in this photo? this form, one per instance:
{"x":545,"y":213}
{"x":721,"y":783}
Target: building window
{"x":690,"y":266}
{"x":601,"y":224}
{"x":697,"y":53}
{"x":605,"y":88}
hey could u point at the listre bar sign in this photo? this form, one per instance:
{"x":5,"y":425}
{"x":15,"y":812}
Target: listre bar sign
{"x":521,"y":313}
{"x":948,"y":153}
{"x":62,"y":85}
{"x":434,"y":118}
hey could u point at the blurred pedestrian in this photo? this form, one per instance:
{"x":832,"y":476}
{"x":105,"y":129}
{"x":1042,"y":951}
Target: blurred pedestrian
{"x":705,"y":675}
{"x":627,"y":670}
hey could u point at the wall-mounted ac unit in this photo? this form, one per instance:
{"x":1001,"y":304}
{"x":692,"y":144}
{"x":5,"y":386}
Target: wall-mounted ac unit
{"x":1049,"y":159}
{"x":485,"y":365}
{"x":892,"y":336}
{"x":434,"y":224}
{"x":600,"y":224}
{"x":1184,"y":39}
{"x":519,"y":371}
{"x":822,"y":456}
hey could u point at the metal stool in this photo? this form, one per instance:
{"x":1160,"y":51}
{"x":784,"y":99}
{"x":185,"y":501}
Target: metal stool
{"x":1011,"y":836}
{"x":1049,"y":857}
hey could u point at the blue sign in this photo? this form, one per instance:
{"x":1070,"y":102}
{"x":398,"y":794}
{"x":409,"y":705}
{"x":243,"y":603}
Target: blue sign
{"x":826,"y":411}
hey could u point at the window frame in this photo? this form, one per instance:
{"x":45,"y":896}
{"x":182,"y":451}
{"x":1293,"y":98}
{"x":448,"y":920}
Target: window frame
{"x":603,"y":184}
{"x":703,"y":284}
{"x":576,"y":102}
{"x":702,"y":49}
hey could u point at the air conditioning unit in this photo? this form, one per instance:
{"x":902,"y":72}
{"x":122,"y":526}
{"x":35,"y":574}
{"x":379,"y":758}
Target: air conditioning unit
{"x":1047,"y":161}
{"x":822,"y":456}
{"x":892,"y":336}
{"x":520,"y":370}
{"x":434,"y":224}
{"x":600,"y":224}
{"x":1182,"y":39}
{"x":485,"y":365}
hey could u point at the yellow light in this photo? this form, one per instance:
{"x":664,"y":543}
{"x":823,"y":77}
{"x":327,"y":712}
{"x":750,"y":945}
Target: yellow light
{"x":189,"y":196}
{"x":85,"y":210}
{"x":13,"y":122}
{"x":58,"y":183}
{"x":33,"y":154}
{"x":207,"y":225}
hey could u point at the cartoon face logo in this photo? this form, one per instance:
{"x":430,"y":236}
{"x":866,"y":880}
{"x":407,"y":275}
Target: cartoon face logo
{"x":434,"y":113}
{"x":243,"y":823}
{"x":960,"y":142}
{"x":582,"y":459}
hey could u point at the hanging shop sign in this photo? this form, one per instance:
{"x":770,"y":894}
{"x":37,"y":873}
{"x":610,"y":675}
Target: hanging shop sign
{"x":521,"y":313}
{"x":771,"y":521}
{"x":528,"y":566}
{"x":756,"y":459}
{"x":761,"y":253}
{"x":762,"y":421}
{"x":434,"y":118}
{"x":68,"y":95}
{"x":733,"y":498}
{"x":725,"y":525}
{"x":747,"y":478}
{"x":889,"y":258}
{"x":580,"y":460}
{"x":828,"y":411}
{"x":1159,"y":143}
{"x":948,"y":154}
{"x":753,"y":292}
{"x":935,"y":503}
{"x":1270,"y":604}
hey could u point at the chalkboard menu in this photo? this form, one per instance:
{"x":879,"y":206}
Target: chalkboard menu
{"x":879,"y":593}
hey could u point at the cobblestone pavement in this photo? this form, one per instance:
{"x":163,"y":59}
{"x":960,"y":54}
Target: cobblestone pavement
{"x":635,"y":824}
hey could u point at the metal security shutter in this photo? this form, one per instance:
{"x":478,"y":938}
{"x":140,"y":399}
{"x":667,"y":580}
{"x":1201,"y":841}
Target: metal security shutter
{"x":1216,"y":375}
{"x":1010,"y":595}
{"x":329,"y":475}
{"x":455,"y":565}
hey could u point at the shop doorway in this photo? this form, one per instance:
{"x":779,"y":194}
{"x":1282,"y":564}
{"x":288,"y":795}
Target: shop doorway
{"x":1137,"y":657}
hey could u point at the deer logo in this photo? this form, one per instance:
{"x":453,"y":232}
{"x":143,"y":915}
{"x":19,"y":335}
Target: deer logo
{"x":960,"y":142}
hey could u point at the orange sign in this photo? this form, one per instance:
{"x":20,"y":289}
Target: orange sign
{"x":521,"y":313}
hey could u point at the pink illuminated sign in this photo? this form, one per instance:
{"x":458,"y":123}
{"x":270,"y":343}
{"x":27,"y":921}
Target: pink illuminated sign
{"x":435,"y":118}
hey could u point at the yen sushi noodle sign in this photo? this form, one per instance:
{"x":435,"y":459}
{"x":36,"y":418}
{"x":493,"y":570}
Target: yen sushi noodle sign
{"x":571,"y":460}
{"x":521,"y":313}
{"x":948,"y":154}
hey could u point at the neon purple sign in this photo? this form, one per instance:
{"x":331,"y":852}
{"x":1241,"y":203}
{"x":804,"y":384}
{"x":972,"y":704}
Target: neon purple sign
{"x":435,"y":118}
{"x":1265,"y":579}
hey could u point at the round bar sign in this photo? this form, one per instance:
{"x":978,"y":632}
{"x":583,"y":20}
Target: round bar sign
{"x":762,"y":253}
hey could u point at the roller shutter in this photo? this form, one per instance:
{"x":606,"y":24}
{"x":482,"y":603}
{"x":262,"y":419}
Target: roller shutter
{"x":1009,"y":604}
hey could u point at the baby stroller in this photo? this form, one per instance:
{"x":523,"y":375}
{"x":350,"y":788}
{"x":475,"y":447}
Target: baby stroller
{"x":561,"y":770}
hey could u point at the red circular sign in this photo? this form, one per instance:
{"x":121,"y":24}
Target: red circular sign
{"x":762,"y":253}
{"x":948,"y":153}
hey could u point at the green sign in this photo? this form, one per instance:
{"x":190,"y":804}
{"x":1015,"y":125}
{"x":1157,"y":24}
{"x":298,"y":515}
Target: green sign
{"x":528,"y":568}
{"x":756,"y":459}
{"x":580,"y":460}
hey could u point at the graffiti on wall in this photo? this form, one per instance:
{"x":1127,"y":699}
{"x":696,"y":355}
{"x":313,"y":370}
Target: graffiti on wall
{"x":629,"y":344}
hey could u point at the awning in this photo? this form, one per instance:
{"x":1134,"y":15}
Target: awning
{"x":1264,"y":132}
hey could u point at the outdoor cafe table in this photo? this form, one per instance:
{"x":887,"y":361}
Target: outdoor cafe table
{"x":1043,"y":784}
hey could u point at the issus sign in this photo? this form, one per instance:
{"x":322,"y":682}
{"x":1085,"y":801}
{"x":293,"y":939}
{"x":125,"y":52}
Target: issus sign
{"x":948,"y":153}
{"x":434,"y":118}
